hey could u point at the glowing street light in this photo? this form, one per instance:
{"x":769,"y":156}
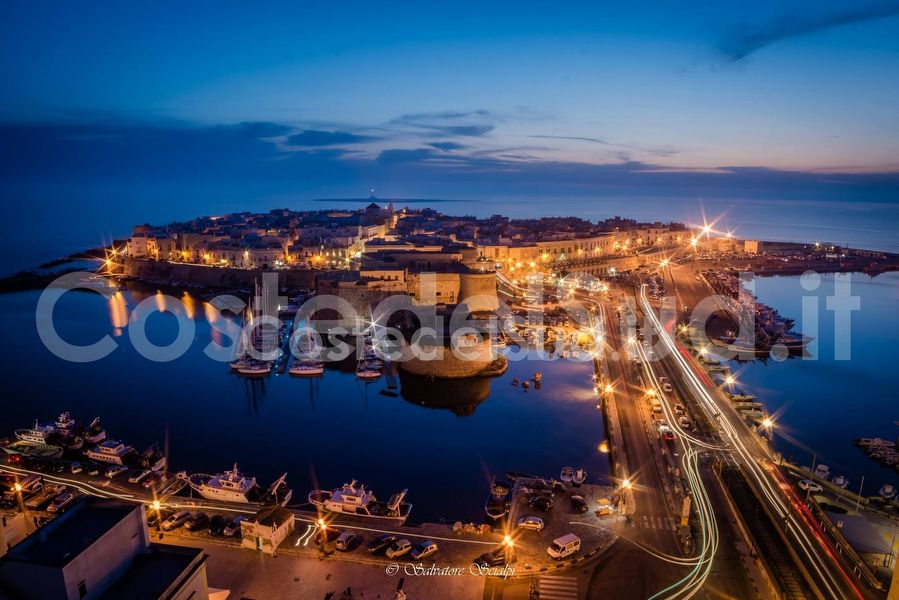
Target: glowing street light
{"x":664,"y":263}
{"x":626,"y":484}
{"x":729,"y":380}
{"x":609,"y":388}
{"x":767,"y":423}
{"x":704,"y":350}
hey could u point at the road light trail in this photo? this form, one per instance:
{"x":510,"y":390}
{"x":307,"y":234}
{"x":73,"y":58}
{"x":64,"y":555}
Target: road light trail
{"x":771,"y":492}
{"x":692,"y":583}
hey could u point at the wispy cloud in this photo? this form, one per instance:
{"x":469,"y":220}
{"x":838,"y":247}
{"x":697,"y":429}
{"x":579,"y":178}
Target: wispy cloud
{"x":315,"y":137}
{"x":748,"y":39}
{"x":473,"y":123}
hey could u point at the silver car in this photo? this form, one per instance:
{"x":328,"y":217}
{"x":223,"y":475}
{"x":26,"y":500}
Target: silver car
{"x":532,"y":523}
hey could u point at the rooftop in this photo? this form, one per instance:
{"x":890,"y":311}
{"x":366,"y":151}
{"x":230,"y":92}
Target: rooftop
{"x":63,"y":539}
{"x":154,"y":572}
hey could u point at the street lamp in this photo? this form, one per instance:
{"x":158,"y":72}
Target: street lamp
{"x":729,"y":380}
{"x":509,"y":544}
{"x":324,"y":533}
{"x":157,"y":506}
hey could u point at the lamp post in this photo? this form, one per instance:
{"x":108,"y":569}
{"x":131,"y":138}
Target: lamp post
{"x":156,"y":505}
{"x":18,"y":488}
{"x":509,"y":544}
{"x":324,"y":533}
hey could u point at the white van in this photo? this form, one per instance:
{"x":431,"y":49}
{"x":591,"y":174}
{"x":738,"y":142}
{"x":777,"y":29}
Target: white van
{"x":564,"y":546}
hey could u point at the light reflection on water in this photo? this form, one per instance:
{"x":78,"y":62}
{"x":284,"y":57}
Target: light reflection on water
{"x":443,"y":442}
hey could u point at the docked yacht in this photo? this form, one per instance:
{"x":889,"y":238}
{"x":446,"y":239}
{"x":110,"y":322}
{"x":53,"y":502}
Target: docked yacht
{"x":254,"y":368}
{"x":111,"y":452}
{"x":840,"y":481}
{"x":39,"y":434}
{"x":353,"y":499}
{"x":308,"y":367}
{"x":367,"y":370}
{"x":233,"y":486}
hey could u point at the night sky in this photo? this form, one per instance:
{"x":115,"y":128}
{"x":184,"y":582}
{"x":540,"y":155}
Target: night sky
{"x":113,"y":112}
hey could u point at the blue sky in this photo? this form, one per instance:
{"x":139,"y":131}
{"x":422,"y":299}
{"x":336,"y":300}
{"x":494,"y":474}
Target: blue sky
{"x":469,"y":100}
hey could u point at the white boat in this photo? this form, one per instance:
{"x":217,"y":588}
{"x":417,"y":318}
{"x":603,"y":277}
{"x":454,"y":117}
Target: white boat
{"x":840,"y":481}
{"x":822,"y":472}
{"x":65,"y":421}
{"x":307,"y":364}
{"x":353,"y":499}
{"x":307,"y":368}
{"x":39,"y":434}
{"x":367,"y":370}
{"x":579,"y":477}
{"x":567,"y":474}
{"x":254,"y":368}
{"x":887,"y":491}
{"x":95,"y":432}
{"x":233,"y":486}
{"x":109,"y":451}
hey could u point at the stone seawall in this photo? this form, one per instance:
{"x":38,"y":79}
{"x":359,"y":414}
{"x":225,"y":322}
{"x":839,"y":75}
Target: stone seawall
{"x":217,"y":277}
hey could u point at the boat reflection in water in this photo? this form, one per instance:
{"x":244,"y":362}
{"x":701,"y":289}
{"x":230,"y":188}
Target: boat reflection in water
{"x":461,"y":396}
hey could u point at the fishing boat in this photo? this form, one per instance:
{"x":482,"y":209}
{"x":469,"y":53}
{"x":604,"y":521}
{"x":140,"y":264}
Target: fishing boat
{"x":567,"y":474}
{"x":233,"y":486}
{"x":111,"y":452}
{"x":579,"y":477}
{"x":499,"y":499}
{"x":353,"y":499}
{"x":822,"y":472}
{"x":65,"y":422}
{"x":32,"y":449}
{"x":94,"y":434}
{"x":39,"y":434}
{"x":840,"y":481}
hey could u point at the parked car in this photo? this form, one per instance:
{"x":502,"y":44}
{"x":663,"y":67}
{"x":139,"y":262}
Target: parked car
{"x":579,"y":504}
{"x":93,"y":470}
{"x":60,"y":503}
{"x":233,"y":527}
{"x":139,"y":476}
{"x":216,"y":525}
{"x":678,"y":409}
{"x":328,"y":535}
{"x":497,"y":557}
{"x":399,"y":548}
{"x":176,"y":520}
{"x":543,"y":503}
{"x":346,"y":541}
{"x":380,"y":543}
{"x":532,"y":523}
{"x":424,"y":549}
{"x":197,"y":522}
{"x":115,"y":471}
{"x":76,"y":468}
{"x":684,"y":423}
{"x":666,"y":387}
{"x":809,"y":486}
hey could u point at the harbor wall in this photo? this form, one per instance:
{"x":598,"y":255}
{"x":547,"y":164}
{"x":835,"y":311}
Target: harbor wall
{"x":217,"y":277}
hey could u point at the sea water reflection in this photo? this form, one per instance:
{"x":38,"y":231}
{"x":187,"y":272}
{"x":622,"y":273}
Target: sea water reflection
{"x":443,"y":441}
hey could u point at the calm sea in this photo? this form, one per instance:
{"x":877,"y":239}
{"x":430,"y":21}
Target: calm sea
{"x":443,"y":443}
{"x":822,"y":405}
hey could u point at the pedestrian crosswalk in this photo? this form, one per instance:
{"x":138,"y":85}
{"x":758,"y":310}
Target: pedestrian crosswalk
{"x":553,"y":587}
{"x":650,"y":522}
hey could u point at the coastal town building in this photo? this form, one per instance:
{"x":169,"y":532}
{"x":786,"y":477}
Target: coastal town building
{"x":101,"y":549}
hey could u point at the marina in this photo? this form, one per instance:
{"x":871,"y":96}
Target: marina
{"x":334,"y":422}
